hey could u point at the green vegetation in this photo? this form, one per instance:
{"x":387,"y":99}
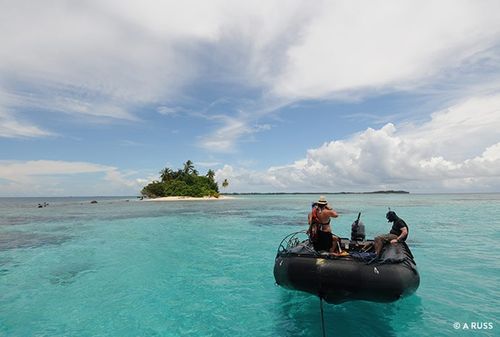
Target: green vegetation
{"x":183,"y":182}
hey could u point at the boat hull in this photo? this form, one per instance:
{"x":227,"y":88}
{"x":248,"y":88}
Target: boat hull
{"x":344,"y":279}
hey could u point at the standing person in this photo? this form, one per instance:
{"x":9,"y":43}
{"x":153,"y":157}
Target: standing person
{"x":320,"y":231}
{"x":398,"y":233}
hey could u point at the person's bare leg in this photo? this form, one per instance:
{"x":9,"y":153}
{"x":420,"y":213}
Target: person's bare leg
{"x":379,"y":243}
{"x":368,"y":247}
{"x":335,"y":246}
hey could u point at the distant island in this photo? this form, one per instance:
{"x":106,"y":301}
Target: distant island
{"x":298,"y":193}
{"x":184,"y":182}
{"x":376,"y":192}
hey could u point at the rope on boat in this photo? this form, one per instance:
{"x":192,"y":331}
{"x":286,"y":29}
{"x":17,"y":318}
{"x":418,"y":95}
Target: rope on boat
{"x":322,"y":316}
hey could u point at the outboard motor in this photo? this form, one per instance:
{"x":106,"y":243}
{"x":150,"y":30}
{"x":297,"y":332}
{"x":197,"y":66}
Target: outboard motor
{"x":358,"y":230}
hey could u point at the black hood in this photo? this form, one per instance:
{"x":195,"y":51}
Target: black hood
{"x":391,"y":216}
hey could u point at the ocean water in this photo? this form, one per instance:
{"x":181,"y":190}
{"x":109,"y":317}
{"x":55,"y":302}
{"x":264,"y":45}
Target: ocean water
{"x":136,"y":268}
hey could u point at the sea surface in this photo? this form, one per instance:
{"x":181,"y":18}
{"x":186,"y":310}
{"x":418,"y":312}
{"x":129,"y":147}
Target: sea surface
{"x":124,"y":267}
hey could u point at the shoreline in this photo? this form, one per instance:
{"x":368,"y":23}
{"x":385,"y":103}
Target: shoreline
{"x":185,"y":198}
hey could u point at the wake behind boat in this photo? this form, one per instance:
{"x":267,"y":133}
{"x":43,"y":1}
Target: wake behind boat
{"x":357,"y":275}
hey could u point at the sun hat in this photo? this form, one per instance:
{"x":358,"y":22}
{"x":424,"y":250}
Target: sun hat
{"x":322,"y":200}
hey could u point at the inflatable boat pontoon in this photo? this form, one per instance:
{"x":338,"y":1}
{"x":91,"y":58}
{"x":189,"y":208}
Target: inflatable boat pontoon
{"x":359,"y":275}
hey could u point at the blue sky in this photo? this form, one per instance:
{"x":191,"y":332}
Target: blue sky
{"x":97,"y":97}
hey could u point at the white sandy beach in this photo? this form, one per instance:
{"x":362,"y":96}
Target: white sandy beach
{"x":183,"y":198}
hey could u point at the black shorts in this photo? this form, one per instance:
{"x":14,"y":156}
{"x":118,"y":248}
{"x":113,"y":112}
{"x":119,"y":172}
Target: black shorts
{"x":324,"y":241}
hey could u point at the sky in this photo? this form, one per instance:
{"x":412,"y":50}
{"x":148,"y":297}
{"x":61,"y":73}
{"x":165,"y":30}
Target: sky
{"x":97,"y":96}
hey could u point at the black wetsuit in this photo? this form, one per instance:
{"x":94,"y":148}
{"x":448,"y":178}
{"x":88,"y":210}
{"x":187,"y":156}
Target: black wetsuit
{"x":397,"y":227}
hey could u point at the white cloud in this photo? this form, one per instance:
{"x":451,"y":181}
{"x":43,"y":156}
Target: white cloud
{"x":107,"y":59}
{"x":86,"y":59}
{"x":457,"y":150}
{"x":14,"y":128}
{"x":15,"y":170}
{"x":77,"y":106}
{"x":224,"y":138}
{"x":207,"y":163}
{"x":244,"y":180}
{"x":56,"y":178}
{"x":167,"y":111}
{"x":127,"y":53}
{"x":348,"y":50}
{"x":360,"y":45}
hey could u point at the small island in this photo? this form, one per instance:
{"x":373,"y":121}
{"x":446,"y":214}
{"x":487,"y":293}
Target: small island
{"x":182,"y":184}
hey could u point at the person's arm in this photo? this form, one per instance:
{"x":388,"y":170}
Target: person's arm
{"x":402,"y":236}
{"x":332,"y":213}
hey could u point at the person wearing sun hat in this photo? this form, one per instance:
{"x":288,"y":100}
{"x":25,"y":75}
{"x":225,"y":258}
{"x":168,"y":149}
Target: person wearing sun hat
{"x":320,"y":230}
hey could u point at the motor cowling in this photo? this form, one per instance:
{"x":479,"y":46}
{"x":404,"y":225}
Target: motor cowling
{"x":358,"y":231}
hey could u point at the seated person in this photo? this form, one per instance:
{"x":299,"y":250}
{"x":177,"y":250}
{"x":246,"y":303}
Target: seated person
{"x":398,"y":233}
{"x":320,"y":231}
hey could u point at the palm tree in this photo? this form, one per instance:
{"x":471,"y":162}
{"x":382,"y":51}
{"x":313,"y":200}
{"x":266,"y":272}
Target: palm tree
{"x":225,"y":183}
{"x":211,"y":175}
{"x":166,"y":174}
{"x":189,"y":168}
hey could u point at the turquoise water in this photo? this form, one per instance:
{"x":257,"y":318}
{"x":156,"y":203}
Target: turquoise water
{"x":135,"y":268}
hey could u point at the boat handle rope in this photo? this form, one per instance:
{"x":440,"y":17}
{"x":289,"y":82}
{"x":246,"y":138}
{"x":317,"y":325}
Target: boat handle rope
{"x":322,"y":316}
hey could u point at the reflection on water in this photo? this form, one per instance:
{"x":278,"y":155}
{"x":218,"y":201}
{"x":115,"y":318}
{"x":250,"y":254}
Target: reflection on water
{"x":301,"y":316}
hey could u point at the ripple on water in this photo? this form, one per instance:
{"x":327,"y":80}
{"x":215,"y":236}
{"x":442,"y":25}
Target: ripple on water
{"x":68,"y":273}
{"x":16,"y":240}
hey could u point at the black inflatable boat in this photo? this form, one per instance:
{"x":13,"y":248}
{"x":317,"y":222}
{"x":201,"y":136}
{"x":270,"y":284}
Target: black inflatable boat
{"x":358,"y":275}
